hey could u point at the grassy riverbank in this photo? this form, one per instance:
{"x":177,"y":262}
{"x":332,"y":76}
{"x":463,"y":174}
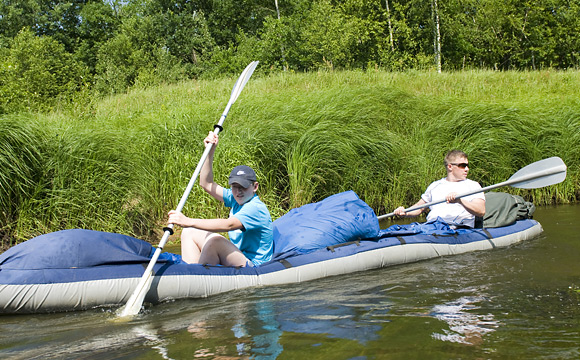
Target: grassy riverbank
{"x":122,"y":164}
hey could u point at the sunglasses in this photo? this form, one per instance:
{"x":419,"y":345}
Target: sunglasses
{"x":460,"y":165}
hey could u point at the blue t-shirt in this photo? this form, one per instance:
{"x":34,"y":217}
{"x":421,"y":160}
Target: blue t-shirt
{"x":256,"y":240}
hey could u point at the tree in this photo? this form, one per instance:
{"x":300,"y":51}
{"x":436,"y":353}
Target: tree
{"x":340,"y":36}
{"x":157,"y":41}
{"x":229,"y":18}
{"x":17,"y":15}
{"x":37,"y":73}
{"x":98,"y":23}
{"x":80,"y":25}
{"x":412,"y":35}
{"x":284,"y":63}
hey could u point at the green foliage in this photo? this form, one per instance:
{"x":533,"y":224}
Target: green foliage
{"x":123,"y":44}
{"x":234,"y":59}
{"x":327,"y":37}
{"x":115,"y":68}
{"x":275,"y":37}
{"x":528,"y":35}
{"x":160,"y":45}
{"x":38,"y":74}
{"x":121,"y":66}
{"x":17,"y":15}
{"x":324,"y":36}
{"x":21,"y":162}
{"x":97,"y":26}
{"x":227,"y":19}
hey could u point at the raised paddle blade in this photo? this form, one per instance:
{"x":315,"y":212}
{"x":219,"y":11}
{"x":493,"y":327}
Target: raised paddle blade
{"x":243,"y":79}
{"x":238,"y":86}
{"x":542,"y":173}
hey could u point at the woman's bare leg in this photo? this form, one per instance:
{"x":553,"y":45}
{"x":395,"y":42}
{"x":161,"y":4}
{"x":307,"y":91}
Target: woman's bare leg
{"x":192,"y":242}
{"x":219,"y":250}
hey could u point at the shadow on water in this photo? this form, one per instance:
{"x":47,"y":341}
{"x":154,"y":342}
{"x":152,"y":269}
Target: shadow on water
{"x":516,"y":302}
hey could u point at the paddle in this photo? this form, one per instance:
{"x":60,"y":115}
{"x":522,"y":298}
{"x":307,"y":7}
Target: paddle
{"x":542,"y":173}
{"x":135,"y":302}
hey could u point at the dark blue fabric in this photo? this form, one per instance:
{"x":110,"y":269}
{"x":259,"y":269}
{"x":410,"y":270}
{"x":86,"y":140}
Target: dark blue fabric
{"x":170,"y":258}
{"x":433,"y":227}
{"x":337,"y":219}
{"x":75,"y":248}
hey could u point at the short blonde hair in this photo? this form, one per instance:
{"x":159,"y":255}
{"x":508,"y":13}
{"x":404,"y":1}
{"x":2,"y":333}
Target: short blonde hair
{"x":452,"y":155}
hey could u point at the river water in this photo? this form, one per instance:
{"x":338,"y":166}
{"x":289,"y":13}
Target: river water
{"x":512,"y":303}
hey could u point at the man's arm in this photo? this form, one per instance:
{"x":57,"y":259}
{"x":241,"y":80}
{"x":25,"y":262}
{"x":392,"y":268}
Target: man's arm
{"x":400,"y":211}
{"x":475,"y":207}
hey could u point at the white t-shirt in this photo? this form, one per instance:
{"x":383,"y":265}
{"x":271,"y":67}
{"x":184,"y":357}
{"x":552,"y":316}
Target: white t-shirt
{"x":453,"y":214}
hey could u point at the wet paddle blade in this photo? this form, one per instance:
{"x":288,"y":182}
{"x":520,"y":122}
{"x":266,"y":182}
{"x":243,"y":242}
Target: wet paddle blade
{"x":133,"y":305}
{"x":136,"y":300}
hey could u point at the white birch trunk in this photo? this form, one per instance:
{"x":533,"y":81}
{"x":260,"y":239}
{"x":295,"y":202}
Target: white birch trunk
{"x":436,"y":35}
{"x":390,"y":25}
{"x":281,"y":46}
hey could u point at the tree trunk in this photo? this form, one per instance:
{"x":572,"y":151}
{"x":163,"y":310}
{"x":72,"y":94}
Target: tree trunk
{"x":281,"y":46}
{"x":390,"y":25}
{"x":436,"y":35}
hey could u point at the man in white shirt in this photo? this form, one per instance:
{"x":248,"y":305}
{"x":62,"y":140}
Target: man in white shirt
{"x":457,"y":212}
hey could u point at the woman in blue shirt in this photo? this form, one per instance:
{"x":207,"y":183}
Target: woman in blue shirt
{"x":249,"y":225}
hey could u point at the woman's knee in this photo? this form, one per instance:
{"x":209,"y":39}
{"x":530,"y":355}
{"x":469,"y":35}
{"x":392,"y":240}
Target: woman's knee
{"x":224,"y":251}
{"x":199,"y":237}
{"x":192,"y":233}
{"x":215,"y":241}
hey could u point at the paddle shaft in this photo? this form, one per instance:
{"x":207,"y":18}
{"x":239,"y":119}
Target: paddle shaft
{"x":169,"y":228}
{"x":134,"y":303}
{"x":511,"y":182}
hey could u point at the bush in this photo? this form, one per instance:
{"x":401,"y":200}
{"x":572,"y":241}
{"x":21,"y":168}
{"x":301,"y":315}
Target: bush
{"x":37,"y":74}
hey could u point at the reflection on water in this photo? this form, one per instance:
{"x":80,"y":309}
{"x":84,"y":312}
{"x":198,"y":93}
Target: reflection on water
{"x":336,"y":313}
{"x":153,"y":340}
{"x":260,"y":344}
{"x":465,"y":325}
{"x":506,"y":303}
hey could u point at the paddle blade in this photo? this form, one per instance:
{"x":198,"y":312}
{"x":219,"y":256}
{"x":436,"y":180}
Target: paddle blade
{"x":135,"y":302}
{"x":242,"y":80}
{"x":542,"y":173}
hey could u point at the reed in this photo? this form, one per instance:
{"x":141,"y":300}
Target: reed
{"x":124,"y":163}
{"x":84,"y":182}
{"x":21,"y":159}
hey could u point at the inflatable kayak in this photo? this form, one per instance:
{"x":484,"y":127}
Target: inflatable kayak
{"x":81,"y":269}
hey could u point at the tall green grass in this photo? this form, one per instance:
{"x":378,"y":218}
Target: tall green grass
{"x":123,"y":163}
{"x":21,"y":157}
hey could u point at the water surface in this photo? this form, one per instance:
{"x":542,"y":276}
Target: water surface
{"x":516,"y":302}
